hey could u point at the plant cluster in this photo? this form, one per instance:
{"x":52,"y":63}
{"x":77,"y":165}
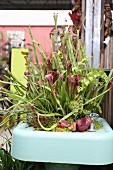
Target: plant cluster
{"x":60,"y":92}
{"x":8,"y":162}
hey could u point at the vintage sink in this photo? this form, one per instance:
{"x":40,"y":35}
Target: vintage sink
{"x":67,"y":148}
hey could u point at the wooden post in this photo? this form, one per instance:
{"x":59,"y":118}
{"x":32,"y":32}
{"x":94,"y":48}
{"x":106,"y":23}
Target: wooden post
{"x":96,"y":33}
{"x":102,"y":55}
{"x":83,"y":20}
{"x":88,"y":29}
{"x":92,"y":30}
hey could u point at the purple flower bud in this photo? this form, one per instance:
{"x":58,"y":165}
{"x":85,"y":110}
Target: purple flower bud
{"x":61,"y":76}
{"x":32,"y":106}
{"x":72,"y":79}
{"x":39,"y":82}
{"x":78,"y":78}
{"x":55,"y":73}
{"x":69,"y":65}
{"x":49,"y":78}
{"x":69,"y":78}
{"x":28,"y":85}
{"x":26,"y":73}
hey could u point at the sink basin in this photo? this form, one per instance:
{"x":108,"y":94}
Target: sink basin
{"x":88,"y":148}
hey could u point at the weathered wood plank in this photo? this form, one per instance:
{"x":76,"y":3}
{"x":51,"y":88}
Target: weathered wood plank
{"x":88,"y":29}
{"x":96,"y":33}
{"x":102,"y":35}
{"x":92,"y":30}
{"x":83,"y":20}
{"x":108,"y":61}
{"x":111,"y":53}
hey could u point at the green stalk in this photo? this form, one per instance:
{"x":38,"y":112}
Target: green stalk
{"x":56,"y":100}
{"x":44,"y":58}
{"x":32,"y":38}
{"x":71,"y":113}
{"x":15,"y":79}
{"x":35,"y":53}
{"x":102,"y":94}
{"x":56,"y":29}
{"x":105,"y":87}
{"x":54,"y":125}
{"x":71,"y":52}
{"x":48,"y":114}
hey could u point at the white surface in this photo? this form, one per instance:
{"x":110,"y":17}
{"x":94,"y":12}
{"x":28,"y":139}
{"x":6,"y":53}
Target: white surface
{"x":16,"y":38}
{"x":34,"y":17}
{"x":97,"y":32}
{"x":92,"y":30}
{"x":88,"y":29}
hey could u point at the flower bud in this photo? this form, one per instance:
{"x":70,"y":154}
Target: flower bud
{"x":26,"y":73}
{"x":61,"y":76}
{"x":28,"y":85}
{"x":69,"y":65}
{"x":32,"y":106}
{"x":49,"y":77}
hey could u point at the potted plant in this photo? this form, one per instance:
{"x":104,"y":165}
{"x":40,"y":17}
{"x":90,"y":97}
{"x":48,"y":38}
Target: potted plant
{"x":61,"y":91}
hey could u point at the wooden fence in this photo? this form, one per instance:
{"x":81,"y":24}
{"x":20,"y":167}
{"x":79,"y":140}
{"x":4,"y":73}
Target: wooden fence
{"x":106,"y":61}
{"x":108,"y":55}
{"x":108,"y":100}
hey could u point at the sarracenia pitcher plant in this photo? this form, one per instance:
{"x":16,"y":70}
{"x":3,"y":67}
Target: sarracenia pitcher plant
{"x":61,"y":91}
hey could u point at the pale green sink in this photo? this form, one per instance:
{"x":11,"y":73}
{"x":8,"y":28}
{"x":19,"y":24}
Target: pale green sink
{"x":89,"y":148}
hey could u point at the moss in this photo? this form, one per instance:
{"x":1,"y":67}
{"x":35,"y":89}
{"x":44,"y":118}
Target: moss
{"x":57,"y":129}
{"x":97,"y":125}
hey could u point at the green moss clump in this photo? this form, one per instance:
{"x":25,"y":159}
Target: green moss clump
{"x":97,"y":125}
{"x":58,"y":129}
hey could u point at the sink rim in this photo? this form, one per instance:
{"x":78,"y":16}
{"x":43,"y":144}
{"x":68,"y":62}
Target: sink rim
{"x":102,"y":140}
